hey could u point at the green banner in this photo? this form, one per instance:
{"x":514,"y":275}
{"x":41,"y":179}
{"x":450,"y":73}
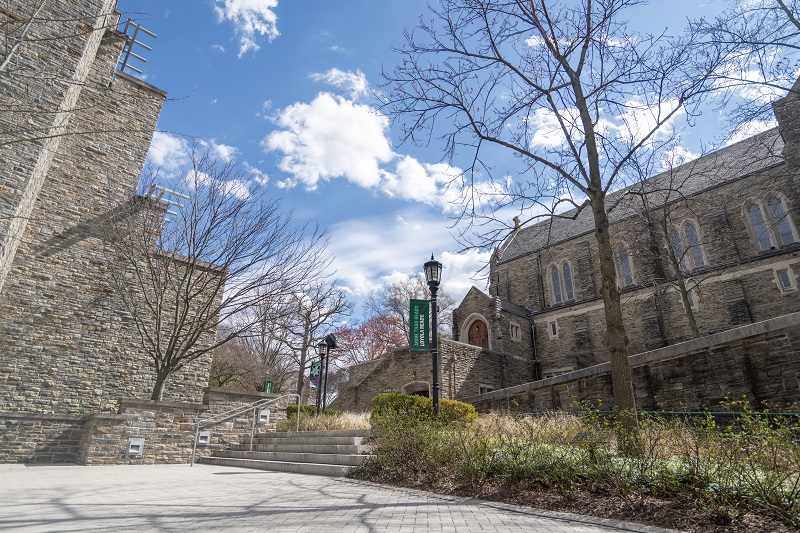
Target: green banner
{"x":418,"y":322}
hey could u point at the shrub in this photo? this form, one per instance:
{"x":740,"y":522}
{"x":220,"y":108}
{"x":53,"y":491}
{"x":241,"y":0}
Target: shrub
{"x":391,"y":406}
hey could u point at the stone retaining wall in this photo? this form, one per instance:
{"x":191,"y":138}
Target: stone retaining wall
{"x":759,"y":362}
{"x":168,"y":429}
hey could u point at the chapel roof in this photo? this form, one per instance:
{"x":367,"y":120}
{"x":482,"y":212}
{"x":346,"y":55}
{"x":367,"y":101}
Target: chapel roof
{"x":751,"y":155}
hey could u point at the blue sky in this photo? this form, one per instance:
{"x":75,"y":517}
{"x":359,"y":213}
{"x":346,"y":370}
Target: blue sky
{"x":283,"y":86}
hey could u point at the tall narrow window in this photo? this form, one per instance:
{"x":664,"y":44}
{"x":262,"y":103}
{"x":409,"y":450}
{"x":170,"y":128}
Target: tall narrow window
{"x":568,"y":290}
{"x":781,"y":221}
{"x":693,"y":242}
{"x":561,"y":283}
{"x":759,"y":226}
{"x":556,"y":279}
{"x":677,"y":248}
{"x":625,"y":266}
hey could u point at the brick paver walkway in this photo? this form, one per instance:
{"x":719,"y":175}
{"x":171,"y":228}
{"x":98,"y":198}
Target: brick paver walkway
{"x":212,"y":498}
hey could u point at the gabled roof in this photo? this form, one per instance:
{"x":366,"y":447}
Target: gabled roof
{"x":504,"y":304}
{"x":727,"y":164}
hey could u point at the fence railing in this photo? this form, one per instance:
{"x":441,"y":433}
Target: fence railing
{"x":238,"y":411}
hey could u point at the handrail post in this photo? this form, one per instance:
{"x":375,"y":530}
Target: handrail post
{"x":298,"y":413}
{"x":253,"y":428}
{"x":194,"y":445}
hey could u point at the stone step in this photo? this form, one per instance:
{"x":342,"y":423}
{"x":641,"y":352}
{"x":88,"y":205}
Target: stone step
{"x":327,"y":440}
{"x":307,"y":434}
{"x":290,"y":457}
{"x":317,"y":469}
{"x":347,"y":449}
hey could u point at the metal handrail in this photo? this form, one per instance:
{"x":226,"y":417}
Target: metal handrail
{"x":233,"y":413}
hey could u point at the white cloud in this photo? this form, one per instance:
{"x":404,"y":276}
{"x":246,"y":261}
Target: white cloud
{"x":335,"y":137}
{"x":331,"y":137}
{"x":676,"y":156}
{"x":370,"y":253}
{"x":251,"y":19}
{"x":260,"y":177}
{"x":218,"y":47}
{"x":748,"y":129}
{"x":237,"y":188}
{"x":222,"y":151}
{"x":353,"y":82}
{"x":168,"y":152}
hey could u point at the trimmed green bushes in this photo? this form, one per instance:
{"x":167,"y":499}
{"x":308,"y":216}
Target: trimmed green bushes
{"x":390,"y":405}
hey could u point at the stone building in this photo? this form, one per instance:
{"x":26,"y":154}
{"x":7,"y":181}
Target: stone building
{"x":74,"y":134}
{"x":708,"y":260}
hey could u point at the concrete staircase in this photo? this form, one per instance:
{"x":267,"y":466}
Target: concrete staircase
{"x":324,"y":453}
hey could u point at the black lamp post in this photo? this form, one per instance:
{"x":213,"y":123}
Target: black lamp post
{"x":322,"y":351}
{"x":330,"y":344}
{"x":433,"y":275}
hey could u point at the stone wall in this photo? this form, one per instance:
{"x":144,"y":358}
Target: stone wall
{"x":463,"y":370}
{"x":168,"y":429}
{"x":758,"y":362}
{"x":68,"y":345}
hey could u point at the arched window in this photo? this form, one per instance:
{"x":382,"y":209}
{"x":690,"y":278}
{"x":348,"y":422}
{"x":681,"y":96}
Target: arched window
{"x":759,"y":225}
{"x":556,"y":281}
{"x":677,"y":248}
{"x":687,"y":246}
{"x":561,"y":283}
{"x":625,"y":269}
{"x":693,"y":242}
{"x":783,"y":226}
{"x":568,"y":290}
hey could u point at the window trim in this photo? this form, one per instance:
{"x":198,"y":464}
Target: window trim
{"x":483,"y":388}
{"x":552,"y":328}
{"x":564,"y":294}
{"x":621,"y":281}
{"x":771,"y":232}
{"x":689,"y":253}
{"x":790,"y":276}
{"x":518,"y":327}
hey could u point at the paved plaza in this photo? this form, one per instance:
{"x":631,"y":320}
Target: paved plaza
{"x":212,"y":498}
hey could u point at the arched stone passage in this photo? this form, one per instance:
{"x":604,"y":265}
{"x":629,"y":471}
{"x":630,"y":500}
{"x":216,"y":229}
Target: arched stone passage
{"x":418,"y":388}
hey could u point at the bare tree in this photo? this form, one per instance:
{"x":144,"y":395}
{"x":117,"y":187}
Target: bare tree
{"x":759,"y":41}
{"x":372,"y":338}
{"x":315,"y":308}
{"x":392,"y":302}
{"x":489,"y":75}
{"x":226,"y":249}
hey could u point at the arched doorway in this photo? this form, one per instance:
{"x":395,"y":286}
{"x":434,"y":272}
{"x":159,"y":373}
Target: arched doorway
{"x":478,"y":334}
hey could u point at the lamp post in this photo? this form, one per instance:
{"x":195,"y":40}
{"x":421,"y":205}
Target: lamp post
{"x":322,"y":351}
{"x":330,"y":344}
{"x":433,"y":275}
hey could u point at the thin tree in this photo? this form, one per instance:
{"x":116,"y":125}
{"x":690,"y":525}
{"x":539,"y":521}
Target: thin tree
{"x":759,"y":41}
{"x":372,"y":338}
{"x":223,"y":250}
{"x":392,"y":302}
{"x":315,"y":309}
{"x":567,"y":89}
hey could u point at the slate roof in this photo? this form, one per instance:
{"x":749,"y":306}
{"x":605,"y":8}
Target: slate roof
{"x":727,"y":164}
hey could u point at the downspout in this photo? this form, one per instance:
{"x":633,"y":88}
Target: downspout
{"x":537,"y":368}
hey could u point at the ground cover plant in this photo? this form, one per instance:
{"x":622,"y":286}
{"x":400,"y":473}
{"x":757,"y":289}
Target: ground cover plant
{"x":693,"y":474}
{"x":327,"y":421}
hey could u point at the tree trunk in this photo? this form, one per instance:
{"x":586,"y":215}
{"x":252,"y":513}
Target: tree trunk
{"x":621,"y":374}
{"x":161,"y":384}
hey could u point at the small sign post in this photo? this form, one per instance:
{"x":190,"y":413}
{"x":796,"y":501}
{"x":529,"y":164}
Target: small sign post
{"x":419,"y":318}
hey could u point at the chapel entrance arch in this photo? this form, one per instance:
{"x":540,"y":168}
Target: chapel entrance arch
{"x":476,"y":332}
